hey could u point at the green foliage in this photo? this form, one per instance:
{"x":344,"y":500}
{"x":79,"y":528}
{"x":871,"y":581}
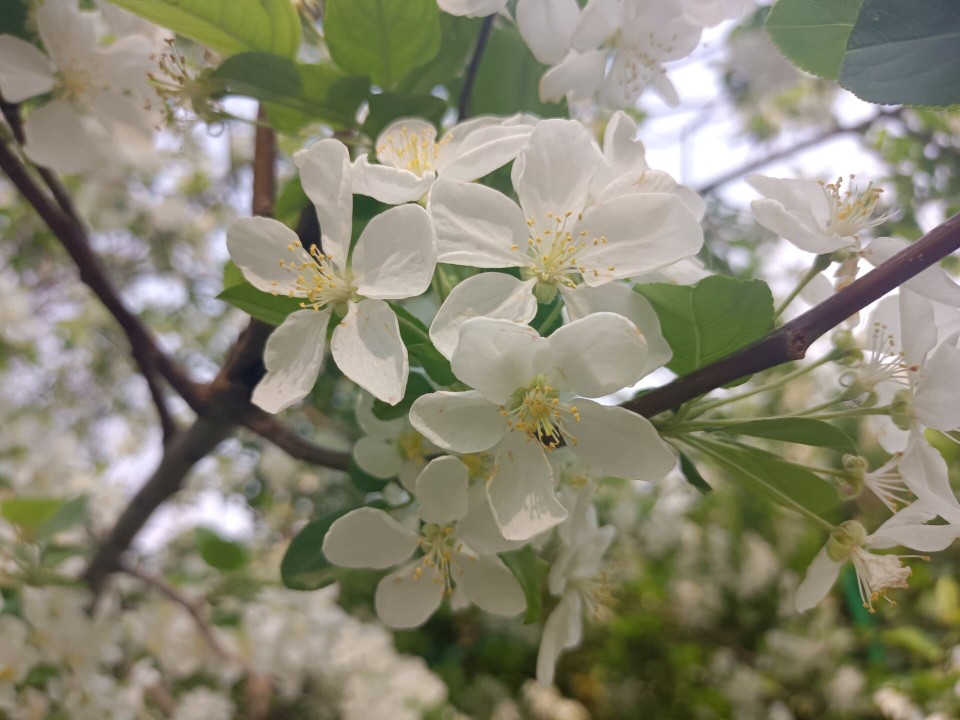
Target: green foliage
{"x":813,"y":34}
{"x":422,"y":352}
{"x":710,"y":320}
{"x":41,"y":518}
{"x":220,"y":553}
{"x":458,"y":38}
{"x":905,"y":52}
{"x":417,"y":385}
{"x":693,"y":475}
{"x":295,"y":94}
{"x":508,"y":80}
{"x":804,"y":431}
{"x":227,"y":26}
{"x":529,"y":571}
{"x":272,"y":309}
{"x":13,"y":18}
{"x":387,"y":106}
{"x":304,"y":566}
{"x":383,"y":39}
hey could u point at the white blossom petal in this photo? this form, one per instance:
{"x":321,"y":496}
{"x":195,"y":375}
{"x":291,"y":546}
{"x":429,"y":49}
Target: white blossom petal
{"x":368,"y":538}
{"x":932,"y":283}
{"x":600,"y":19}
{"x":562,"y":631}
{"x":615,"y":356}
{"x":259,"y":246}
{"x":395,"y":257}
{"x":936,"y":402}
{"x":577,"y":78}
{"x":481,"y":151}
{"x":406,"y":598}
{"x":366,"y":346}
{"x":293,"y":357}
{"x":621,"y":443}
{"x":325,"y":174}
{"x":377,"y":457}
{"x":489,"y":585}
{"x":547,"y":26}
{"x":24,"y":71}
{"x":442,"y":491}
{"x":652,"y":181}
{"x":820,"y":577}
{"x":390,"y":185}
{"x":463,"y":422}
{"x":479,"y":531}
{"x":60,"y":138}
{"x":472,"y":8}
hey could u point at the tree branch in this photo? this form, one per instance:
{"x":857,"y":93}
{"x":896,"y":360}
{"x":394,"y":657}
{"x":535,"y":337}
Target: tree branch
{"x":287,"y":439}
{"x":466,"y":93}
{"x":791,"y":341}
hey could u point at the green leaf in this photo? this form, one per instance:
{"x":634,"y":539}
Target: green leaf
{"x":272,"y":309}
{"x":528,"y":570}
{"x":417,"y":385}
{"x":364,"y":481}
{"x":30,"y":512}
{"x":711,"y":319}
{"x":219,"y":553}
{"x":764,"y":473}
{"x":905,"y":52}
{"x":383,"y":39}
{"x":304,"y":566}
{"x":13,"y":19}
{"x":458,"y":38}
{"x":693,"y":475}
{"x":295,"y":94}
{"x":69,"y":515}
{"x":291,"y":201}
{"x":232,"y":275}
{"x":548,"y":317}
{"x":813,"y":34}
{"x":387,"y":106}
{"x":804,"y":431}
{"x":421,"y":350}
{"x":227,"y":26}
{"x":508,"y":80}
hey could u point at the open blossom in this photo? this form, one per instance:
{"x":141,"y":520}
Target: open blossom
{"x":99,"y":92}
{"x":393,"y":259}
{"x":411,"y":158}
{"x":876,"y":574}
{"x":523,"y":404}
{"x":641,"y":35}
{"x":390,"y":448}
{"x":369,"y":537}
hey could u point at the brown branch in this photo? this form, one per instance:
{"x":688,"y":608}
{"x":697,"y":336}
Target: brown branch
{"x":466,"y":93}
{"x":790,"y":342}
{"x":289,"y":440}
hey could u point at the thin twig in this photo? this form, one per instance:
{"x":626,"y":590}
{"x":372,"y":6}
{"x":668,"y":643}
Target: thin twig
{"x":466,"y":93}
{"x":790,"y":341}
{"x":295,"y":445}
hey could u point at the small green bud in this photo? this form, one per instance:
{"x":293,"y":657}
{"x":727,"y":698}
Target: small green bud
{"x":901,"y":409}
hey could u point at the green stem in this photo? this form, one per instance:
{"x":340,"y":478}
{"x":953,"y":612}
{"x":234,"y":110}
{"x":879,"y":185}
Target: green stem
{"x":814,"y":270}
{"x":818,"y":408}
{"x":725,"y":422}
{"x":552,"y":316}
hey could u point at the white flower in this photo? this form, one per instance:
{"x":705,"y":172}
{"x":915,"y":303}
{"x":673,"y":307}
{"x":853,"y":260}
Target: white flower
{"x":99,"y":92}
{"x":394,"y":258}
{"x":204,"y":704}
{"x":576,"y":577}
{"x":708,"y":13}
{"x":523,"y":405}
{"x":17,"y":657}
{"x":411,"y":158}
{"x":369,"y":537}
{"x":875,"y":573}
{"x":390,"y":448}
{"x":472,"y":8}
{"x":641,"y":34}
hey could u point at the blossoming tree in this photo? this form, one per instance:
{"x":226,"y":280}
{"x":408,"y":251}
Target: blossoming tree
{"x":523,"y":316}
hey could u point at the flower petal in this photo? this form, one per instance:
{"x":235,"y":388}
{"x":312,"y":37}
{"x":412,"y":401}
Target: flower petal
{"x":490,"y":295}
{"x":820,"y":577}
{"x":479,"y":532}
{"x":293,"y":357}
{"x":368,"y":538}
{"x":395,"y":257}
{"x":489,"y":585}
{"x":936,"y":402}
{"x":497,"y":357}
{"x":463,"y":422}
{"x":577,"y":78}
{"x":442,"y":491}
{"x":652,"y":181}
{"x":621,"y":443}
{"x":472,"y":8}
{"x":390,"y":185}
{"x":406,"y":598}
{"x":562,"y":631}
{"x":260,"y":246}
{"x":547,"y":26}
{"x":521,"y":489}
{"x":24,"y":71}
{"x":366,"y":346}
{"x":599,"y":20}
{"x":325,"y":174}
{"x":597,"y":355}
{"x":377,"y":457}
{"x":59,"y":138}
{"x":932,"y":283}
{"x":476,"y":225}
{"x":482,"y":150}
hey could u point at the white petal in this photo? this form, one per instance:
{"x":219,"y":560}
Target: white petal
{"x":259,"y":245}
{"x":293,"y":357}
{"x":482,"y":151}
{"x":59,"y":138}
{"x":820,"y":577}
{"x":521,"y":490}
{"x":598,"y":22}
{"x":405,"y":599}
{"x":377,"y":457}
{"x":368,"y":538}
{"x":621,"y":443}
{"x":914,"y":327}
{"x":933,"y":283}
{"x":562,"y":631}
{"x":390,"y":185}
{"x":442,"y":491}
{"x":642,"y":232}
{"x":122,"y":114}
{"x":547,"y":26}
{"x":557,"y":182}
{"x":925,"y":538}
{"x":325,"y":174}
{"x":395,"y":257}
{"x":472,"y":8}
{"x":68,"y":33}
{"x":497,"y":357}
{"x":463,"y":422}
{"x":366,"y":346}
{"x":490,"y":295}
{"x":476,"y":225}
{"x":806,"y":198}
{"x":489,"y":584}
{"x":620,"y":298}
{"x":598,"y":355}
{"x":623,"y":151}
{"x":652,"y":181}
{"x":578,"y":77}
{"x":936,"y":402}
{"x":24,"y":70}
{"x":479,"y":531}
{"x":374,"y":426}
{"x":924,"y":471}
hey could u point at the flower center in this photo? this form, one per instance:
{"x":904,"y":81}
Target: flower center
{"x":410,"y":445}
{"x":479,"y":465}
{"x":884,"y":364}
{"x":74,"y":83}
{"x":537,"y":411}
{"x":413,"y":150}
{"x":439,"y":547}
{"x":850,"y":209}
{"x":878,"y":573}
{"x":318,"y":282}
